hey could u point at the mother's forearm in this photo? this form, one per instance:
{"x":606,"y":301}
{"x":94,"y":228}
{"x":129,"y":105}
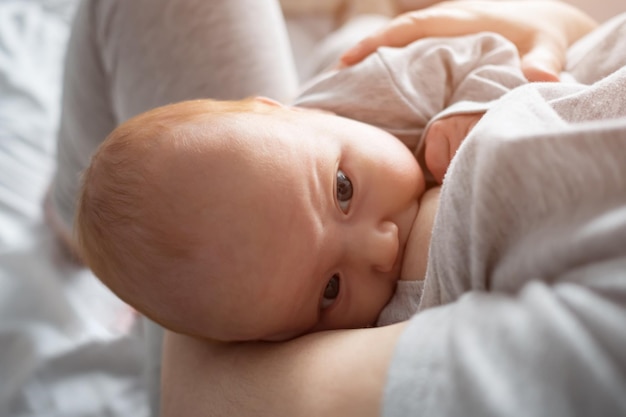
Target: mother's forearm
{"x":340,"y":373}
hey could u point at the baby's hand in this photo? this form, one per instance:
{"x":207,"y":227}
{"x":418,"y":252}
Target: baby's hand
{"x":442,"y":140}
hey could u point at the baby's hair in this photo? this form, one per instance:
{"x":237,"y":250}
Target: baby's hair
{"x":119,"y":238}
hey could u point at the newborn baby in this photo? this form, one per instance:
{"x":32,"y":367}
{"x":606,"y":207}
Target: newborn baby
{"x":250,"y":220}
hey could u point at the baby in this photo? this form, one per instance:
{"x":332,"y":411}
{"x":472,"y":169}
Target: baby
{"x":255,"y":221}
{"x":249,"y":220}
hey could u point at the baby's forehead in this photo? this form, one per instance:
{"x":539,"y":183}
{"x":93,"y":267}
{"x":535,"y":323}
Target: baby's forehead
{"x":265,"y":141}
{"x":246,"y":159}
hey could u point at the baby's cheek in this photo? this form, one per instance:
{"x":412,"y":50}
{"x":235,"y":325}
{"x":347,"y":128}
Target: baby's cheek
{"x":412,"y":177}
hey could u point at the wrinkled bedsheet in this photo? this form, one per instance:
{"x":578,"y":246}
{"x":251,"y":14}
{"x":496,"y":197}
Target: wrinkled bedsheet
{"x":68,"y":347}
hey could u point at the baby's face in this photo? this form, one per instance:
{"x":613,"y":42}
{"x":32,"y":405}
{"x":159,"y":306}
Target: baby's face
{"x":311,"y":234}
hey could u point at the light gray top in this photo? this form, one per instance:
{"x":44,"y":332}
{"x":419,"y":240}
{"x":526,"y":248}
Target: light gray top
{"x":523,"y":312}
{"x":524,"y":307}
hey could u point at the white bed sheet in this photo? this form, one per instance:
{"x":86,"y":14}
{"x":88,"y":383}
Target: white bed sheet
{"x":68,"y":347}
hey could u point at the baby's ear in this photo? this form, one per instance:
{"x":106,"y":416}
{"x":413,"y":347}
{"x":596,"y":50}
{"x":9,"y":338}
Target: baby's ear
{"x":268,"y":101}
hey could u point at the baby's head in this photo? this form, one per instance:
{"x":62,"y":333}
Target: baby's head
{"x":249,"y":220}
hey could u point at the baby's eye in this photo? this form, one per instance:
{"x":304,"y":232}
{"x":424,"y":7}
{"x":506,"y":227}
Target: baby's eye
{"x":344,"y":191}
{"x":331,"y":292}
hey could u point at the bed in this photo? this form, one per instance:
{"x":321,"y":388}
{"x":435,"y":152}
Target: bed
{"x":68,"y":347}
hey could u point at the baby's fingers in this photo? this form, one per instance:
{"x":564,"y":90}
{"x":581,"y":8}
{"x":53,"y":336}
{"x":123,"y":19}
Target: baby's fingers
{"x":443,"y":139}
{"x":437,"y":151}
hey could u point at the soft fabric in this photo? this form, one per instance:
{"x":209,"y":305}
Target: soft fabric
{"x":523,"y":312}
{"x":67,"y":344}
{"x":404,"y":303}
{"x":402,"y":90}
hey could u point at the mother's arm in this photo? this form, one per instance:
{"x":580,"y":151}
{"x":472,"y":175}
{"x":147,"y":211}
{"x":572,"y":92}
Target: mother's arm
{"x":542,"y":30}
{"x":335,"y":373}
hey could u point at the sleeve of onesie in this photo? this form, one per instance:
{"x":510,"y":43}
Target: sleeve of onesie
{"x":401,"y":90}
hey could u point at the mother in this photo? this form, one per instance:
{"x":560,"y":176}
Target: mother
{"x":126,"y":57}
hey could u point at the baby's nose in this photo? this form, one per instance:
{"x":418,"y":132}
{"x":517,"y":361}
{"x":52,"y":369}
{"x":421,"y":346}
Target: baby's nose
{"x":379,"y":246}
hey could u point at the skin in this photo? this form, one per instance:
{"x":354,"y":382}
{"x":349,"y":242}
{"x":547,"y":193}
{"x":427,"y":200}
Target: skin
{"x":542,"y":43}
{"x":443,"y":140}
{"x":206,"y":378}
{"x":414,"y":266}
{"x":299,"y":235}
{"x":329,"y":373}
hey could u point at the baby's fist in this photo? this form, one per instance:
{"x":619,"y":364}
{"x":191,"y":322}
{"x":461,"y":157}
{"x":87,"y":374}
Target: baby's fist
{"x":443,"y":138}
